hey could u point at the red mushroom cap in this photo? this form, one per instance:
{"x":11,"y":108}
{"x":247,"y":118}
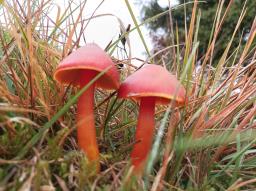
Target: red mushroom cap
{"x":153,"y":81}
{"x":84,"y":60}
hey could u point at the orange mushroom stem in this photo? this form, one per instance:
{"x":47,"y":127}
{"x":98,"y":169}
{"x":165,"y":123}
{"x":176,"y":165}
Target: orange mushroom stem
{"x":144,"y":133}
{"x":86,"y":133}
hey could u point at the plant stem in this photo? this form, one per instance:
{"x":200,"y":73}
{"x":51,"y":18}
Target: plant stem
{"x":144,"y":134}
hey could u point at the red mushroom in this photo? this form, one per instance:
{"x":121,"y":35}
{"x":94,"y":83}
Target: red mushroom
{"x":78,"y":69}
{"x":151,"y":85}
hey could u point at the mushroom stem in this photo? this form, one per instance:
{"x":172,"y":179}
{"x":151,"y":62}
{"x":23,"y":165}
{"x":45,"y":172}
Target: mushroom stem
{"x":86,"y":133}
{"x":144,"y":133}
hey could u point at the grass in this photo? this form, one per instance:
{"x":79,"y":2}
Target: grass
{"x":207,"y":145}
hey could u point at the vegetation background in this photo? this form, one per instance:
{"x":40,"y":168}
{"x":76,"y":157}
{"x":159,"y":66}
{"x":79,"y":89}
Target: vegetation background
{"x":208,"y":9}
{"x":210,"y":146}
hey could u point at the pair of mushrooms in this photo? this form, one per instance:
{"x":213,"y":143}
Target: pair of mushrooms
{"x":151,"y":85}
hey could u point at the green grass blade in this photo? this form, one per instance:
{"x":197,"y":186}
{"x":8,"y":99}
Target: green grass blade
{"x":137,"y":26}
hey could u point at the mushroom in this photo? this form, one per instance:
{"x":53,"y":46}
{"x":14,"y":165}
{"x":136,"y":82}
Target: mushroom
{"x":151,"y":85}
{"x":78,"y":69}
